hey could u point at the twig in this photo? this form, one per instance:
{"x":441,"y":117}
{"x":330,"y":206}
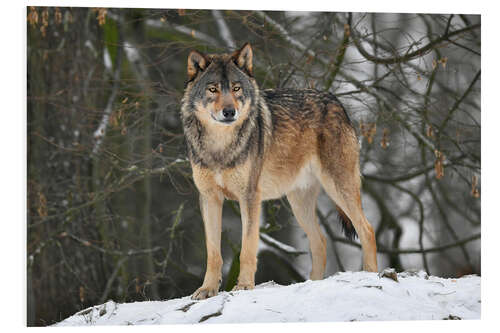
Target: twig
{"x":420,"y":224}
{"x":448,"y":24}
{"x":387,"y":221}
{"x":444,"y":217}
{"x":329,"y":232}
{"x":113,"y":252}
{"x":381,"y":249}
{"x":111,"y":279}
{"x":457,"y":103}
{"x":340,"y":54}
{"x":411,"y":175}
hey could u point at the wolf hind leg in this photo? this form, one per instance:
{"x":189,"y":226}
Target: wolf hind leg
{"x":303,"y":203}
{"x":345,"y":192}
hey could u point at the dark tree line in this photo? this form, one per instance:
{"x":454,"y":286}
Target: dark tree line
{"x":112,"y":210}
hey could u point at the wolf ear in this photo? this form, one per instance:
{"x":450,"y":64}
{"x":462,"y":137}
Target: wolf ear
{"x":243,"y":58}
{"x":196,"y":63}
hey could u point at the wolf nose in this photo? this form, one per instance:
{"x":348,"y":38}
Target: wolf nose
{"x":228,"y":113}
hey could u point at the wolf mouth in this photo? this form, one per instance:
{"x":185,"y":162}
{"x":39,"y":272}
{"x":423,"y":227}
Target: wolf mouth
{"x":223,"y":121}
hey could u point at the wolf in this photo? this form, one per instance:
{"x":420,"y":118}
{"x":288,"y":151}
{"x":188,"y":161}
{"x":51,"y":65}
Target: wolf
{"x":249,"y":145}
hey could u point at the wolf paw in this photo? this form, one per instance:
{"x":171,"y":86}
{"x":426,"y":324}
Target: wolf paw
{"x":204,"y":293}
{"x":243,"y":287}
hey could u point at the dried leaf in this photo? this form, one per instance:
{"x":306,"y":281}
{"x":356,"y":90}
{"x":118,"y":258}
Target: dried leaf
{"x":33,"y":16}
{"x":347,"y":29}
{"x":137,"y":286}
{"x":101,"y":15}
{"x":82,"y":294}
{"x":113,"y":120}
{"x":430,"y":132}
{"x":443,"y":61}
{"x":45,"y":17}
{"x":384,"y":143}
{"x":474,"y":191}
{"x":57,"y":16}
{"x":368,"y":130}
{"x":42,"y":205}
{"x":439,"y":164}
{"x":43,"y":30}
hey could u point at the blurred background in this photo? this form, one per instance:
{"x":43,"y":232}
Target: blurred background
{"x":112,"y":209}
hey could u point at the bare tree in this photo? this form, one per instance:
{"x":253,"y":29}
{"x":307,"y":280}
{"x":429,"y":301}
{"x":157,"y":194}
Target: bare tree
{"x":112,"y":211}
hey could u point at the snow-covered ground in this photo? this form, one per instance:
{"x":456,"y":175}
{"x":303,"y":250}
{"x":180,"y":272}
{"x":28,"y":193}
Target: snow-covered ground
{"x":349,"y":296}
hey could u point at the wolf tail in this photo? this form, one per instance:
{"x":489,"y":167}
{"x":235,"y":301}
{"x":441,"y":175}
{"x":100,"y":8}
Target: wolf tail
{"x":347,"y":226}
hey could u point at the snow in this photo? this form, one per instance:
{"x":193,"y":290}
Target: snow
{"x":348,"y":296}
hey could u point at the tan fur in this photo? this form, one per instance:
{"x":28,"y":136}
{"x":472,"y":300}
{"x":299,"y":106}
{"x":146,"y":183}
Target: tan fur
{"x":300,"y":153}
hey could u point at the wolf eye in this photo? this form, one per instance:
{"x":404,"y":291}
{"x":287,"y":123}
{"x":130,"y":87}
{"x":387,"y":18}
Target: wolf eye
{"x":212,"y":89}
{"x":236,"y":88}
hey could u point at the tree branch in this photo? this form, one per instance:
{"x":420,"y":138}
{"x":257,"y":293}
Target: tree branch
{"x":381,"y":249}
{"x":100,"y":132}
{"x":224,"y":31}
{"x":112,"y":252}
{"x":457,"y":103}
{"x":409,"y":56}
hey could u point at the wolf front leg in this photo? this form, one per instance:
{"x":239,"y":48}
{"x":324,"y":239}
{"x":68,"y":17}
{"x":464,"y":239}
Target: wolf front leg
{"x":211,"y":211}
{"x":250,"y":214}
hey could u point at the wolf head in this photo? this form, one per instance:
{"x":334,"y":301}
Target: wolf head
{"x":224,"y":117}
{"x":220,"y":88}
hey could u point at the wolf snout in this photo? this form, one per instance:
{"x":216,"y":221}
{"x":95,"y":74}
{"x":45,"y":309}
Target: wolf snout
{"x":228,"y":113}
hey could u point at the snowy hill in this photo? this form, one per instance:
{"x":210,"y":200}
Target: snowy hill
{"x":349,"y":296}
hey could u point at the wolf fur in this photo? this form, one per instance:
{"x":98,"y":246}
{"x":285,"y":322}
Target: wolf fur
{"x":249,"y":145}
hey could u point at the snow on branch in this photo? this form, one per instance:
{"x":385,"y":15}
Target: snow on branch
{"x":182,"y":29}
{"x":138,"y":67}
{"x":100,"y":132}
{"x":224,"y":31}
{"x":279,"y":245}
{"x":164,"y":24}
{"x":285,"y":34}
